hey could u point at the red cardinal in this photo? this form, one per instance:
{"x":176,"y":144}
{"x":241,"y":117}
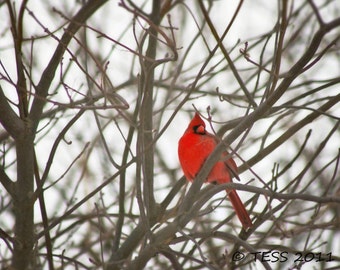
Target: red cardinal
{"x":194,"y":148}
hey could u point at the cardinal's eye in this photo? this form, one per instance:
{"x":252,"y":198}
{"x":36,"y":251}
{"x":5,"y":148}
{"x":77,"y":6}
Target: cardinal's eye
{"x":200,"y":129}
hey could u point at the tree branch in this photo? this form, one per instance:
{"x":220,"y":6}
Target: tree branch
{"x":6,"y":182}
{"x":46,"y":79}
{"x":8,"y":118}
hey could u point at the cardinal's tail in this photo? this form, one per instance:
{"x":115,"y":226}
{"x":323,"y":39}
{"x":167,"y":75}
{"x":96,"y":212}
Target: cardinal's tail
{"x":240,"y":210}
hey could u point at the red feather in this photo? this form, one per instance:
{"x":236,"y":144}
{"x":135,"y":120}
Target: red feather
{"x":194,"y":147}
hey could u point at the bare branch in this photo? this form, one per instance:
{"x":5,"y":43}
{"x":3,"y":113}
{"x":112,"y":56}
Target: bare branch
{"x":46,"y":79}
